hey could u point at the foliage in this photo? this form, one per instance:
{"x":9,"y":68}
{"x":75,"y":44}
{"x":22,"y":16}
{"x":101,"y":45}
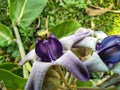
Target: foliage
{"x":5,"y":35}
{"x":13,"y":81}
{"x":73,"y":26}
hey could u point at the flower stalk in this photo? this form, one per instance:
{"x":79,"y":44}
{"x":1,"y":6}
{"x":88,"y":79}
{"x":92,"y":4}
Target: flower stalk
{"x":67,"y":74}
{"x":62,"y":76}
{"x":95,"y":88}
{"x":71,"y":79}
{"x":27,"y":66}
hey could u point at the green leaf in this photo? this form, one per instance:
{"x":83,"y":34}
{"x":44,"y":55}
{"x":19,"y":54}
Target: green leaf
{"x":51,"y":81}
{"x":14,"y":68}
{"x":5,"y":35}
{"x":8,"y":66}
{"x":65,"y":28}
{"x":11,"y":80}
{"x":24,"y":12}
{"x":84,"y":84}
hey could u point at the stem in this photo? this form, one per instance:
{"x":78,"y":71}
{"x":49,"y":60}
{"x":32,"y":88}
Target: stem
{"x":62,"y":76}
{"x":66,"y":78}
{"x":38,"y":24}
{"x":61,"y":88}
{"x":95,"y":88}
{"x":114,"y":11}
{"x":71,"y":79}
{"x":92,"y":23}
{"x":27,"y":66}
{"x":75,"y":81}
{"x":46,"y":23}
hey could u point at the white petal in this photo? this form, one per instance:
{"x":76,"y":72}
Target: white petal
{"x":89,"y":42}
{"x":100,"y":35}
{"x":75,"y":66}
{"x":95,"y":64}
{"x":69,"y":41}
{"x":36,"y":78}
{"x":84,"y":30}
{"x":30,"y":56}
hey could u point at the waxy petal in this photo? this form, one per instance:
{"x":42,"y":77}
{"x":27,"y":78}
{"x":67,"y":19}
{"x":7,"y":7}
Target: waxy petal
{"x":72,"y":63}
{"x":95,"y":64}
{"x":36,"y":78}
{"x":89,"y":42}
{"x":30,"y":56}
{"x":69,"y":41}
{"x":81,"y":30}
{"x":100,"y":35}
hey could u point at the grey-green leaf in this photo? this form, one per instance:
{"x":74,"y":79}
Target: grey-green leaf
{"x":24,"y":12}
{"x":6,"y":36}
{"x":65,"y":28}
{"x":12,"y":81}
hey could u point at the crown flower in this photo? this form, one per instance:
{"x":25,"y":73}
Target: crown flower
{"x":49,"y":51}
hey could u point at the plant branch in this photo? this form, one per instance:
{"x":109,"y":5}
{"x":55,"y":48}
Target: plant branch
{"x":95,"y":88}
{"x":38,"y":24}
{"x":46,"y":22}
{"x":71,"y":79}
{"x":62,"y":76}
{"x":27,"y":66}
{"x":66,"y":78}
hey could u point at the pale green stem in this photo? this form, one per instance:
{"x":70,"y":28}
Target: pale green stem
{"x":101,"y":1}
{"x":71,"y":79}
{"x":95,"y":88}
{"x":47,"y":23}
{"x":38,"y":25}
{"x":62,"y":76}
{"x":115,"y":11}
{"x":8,"y":3}
{"x":66,"y":78}
{"x":27,"y":66}
{"x":61,"y":88}
{"x":92,"y":23}
{"x":75,"y":81}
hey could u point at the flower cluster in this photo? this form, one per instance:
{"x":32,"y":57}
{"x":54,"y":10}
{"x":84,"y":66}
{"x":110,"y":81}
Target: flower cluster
{"x":80,"y":53}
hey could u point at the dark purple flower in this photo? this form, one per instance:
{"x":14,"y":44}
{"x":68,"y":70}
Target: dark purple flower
{"x":50,"y":51}
{"x":93,"y":61}
{"x":109,"y":49}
